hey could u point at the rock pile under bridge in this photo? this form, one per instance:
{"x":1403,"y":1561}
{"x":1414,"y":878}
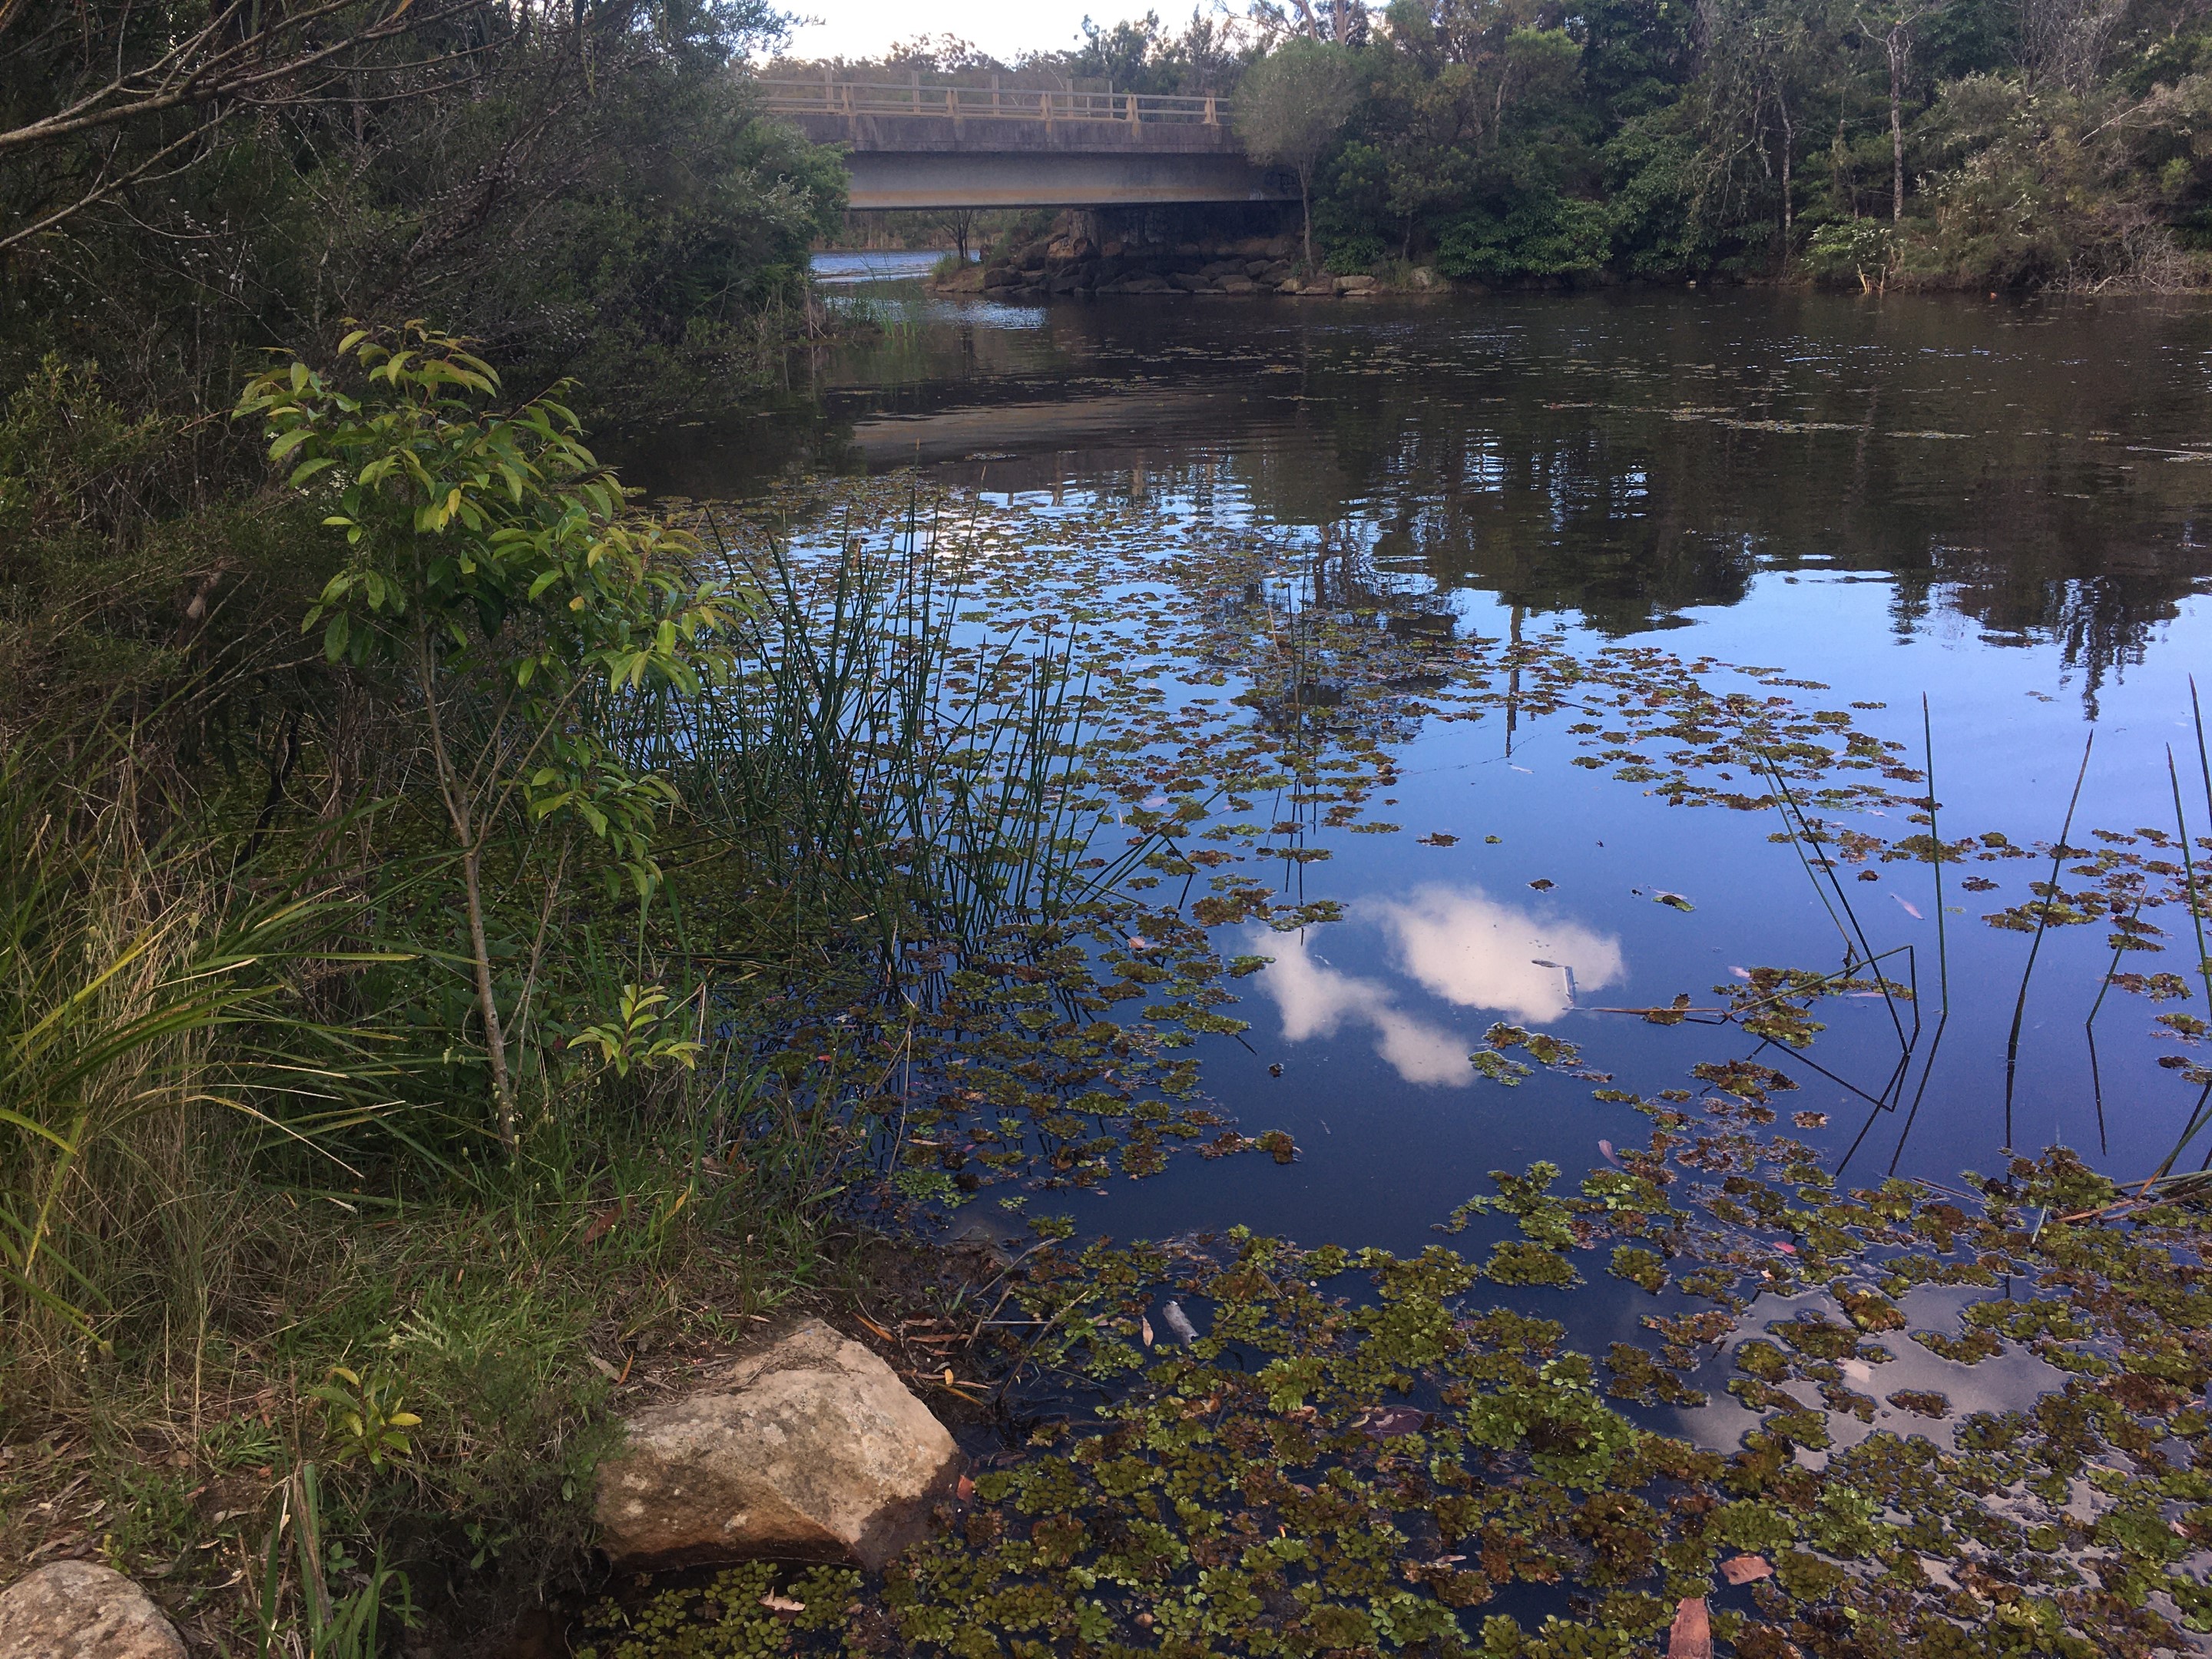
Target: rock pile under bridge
{"x":1076,"y":265}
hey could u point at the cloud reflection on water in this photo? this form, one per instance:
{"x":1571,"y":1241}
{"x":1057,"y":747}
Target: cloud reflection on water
{"x":1458,"y":943}
{"x":1470,"y":949}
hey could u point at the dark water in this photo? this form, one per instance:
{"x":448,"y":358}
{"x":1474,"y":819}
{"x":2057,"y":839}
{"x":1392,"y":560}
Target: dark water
{"x":2001,"y":506}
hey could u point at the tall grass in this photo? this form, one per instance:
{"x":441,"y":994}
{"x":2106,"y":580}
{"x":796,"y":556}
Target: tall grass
{"x":143,"y":990}
{"x":878,"y":774}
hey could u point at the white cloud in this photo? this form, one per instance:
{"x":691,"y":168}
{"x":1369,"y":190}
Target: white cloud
{"x":1472,"y":949}
{"x":1316,"y":1000}
{"x":1458,"y":944}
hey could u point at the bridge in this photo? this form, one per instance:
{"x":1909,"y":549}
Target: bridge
{"x":997,"y":146}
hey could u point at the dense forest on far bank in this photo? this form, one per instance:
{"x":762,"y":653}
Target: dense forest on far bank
{"x":1936,"y":143}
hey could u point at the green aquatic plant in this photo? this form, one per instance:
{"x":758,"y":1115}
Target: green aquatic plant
{"x":748,"y":1611}
{"x":1355,"y":1452}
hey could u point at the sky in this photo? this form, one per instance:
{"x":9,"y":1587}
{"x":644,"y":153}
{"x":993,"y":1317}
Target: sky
{"x":1004,"y":28}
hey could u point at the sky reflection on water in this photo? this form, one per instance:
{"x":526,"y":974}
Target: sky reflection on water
{"x":1458,"y":944}
{"x":2000,"y":507}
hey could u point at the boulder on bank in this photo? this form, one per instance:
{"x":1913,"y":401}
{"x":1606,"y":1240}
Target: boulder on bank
{"x":82,"y":1610}
{"x":810,"y":1448}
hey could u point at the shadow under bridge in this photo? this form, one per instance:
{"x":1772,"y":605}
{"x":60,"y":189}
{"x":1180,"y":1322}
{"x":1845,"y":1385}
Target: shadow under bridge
{"x":994,"y":146}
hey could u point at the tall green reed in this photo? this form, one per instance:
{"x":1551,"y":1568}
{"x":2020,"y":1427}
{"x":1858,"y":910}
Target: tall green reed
{"x":875,"y":770}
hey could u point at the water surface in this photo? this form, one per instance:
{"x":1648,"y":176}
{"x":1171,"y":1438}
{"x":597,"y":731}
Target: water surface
{"x":1995,"y":505}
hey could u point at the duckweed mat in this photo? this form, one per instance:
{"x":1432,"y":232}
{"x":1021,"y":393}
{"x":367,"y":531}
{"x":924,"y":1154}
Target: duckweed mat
{"x":1228,"y":1445}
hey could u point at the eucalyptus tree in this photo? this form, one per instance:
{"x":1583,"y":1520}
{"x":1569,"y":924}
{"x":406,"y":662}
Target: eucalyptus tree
{"x":1290,"y":107}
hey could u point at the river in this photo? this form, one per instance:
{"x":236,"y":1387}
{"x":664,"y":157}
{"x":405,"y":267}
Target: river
{"x":1994,"y":504}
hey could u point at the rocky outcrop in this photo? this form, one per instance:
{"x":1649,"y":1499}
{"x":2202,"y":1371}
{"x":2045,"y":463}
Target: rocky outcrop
{"x":809,"y":1448}
{"x":82,"y":1610}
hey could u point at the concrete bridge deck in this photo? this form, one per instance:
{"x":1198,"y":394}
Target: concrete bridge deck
{"x":914,"y":146}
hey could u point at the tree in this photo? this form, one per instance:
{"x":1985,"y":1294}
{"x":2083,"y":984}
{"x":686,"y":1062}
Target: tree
{"x":496,"y":567}
{"x":95,"y":95}
{"x":1290,"y":107}
{"x":588,"y":188}
{"x":1894,"y":23}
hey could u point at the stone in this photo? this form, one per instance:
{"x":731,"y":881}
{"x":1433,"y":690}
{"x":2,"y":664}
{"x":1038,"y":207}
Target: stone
{"x":1354,"y":284}
{"x":808,"y":1449}
{"x":1239,"y":285}
{"x":1191,"y":281}
{"x":82,"y":1610}
{"x":1145,"y":282}
{"x":1289,"y":285}
{"x":998,"y":276}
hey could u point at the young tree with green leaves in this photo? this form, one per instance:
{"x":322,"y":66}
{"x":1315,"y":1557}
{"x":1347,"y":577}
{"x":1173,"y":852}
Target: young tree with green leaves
{"x":496,"y":567}
{"x":1290,"y":107}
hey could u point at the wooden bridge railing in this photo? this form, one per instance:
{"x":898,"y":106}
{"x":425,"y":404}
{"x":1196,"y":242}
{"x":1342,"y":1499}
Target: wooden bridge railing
{"x":833,"y":97}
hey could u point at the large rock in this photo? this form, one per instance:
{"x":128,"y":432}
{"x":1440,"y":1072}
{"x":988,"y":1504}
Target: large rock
{"x":82,"y":1610}
{"x":808,"y":1449}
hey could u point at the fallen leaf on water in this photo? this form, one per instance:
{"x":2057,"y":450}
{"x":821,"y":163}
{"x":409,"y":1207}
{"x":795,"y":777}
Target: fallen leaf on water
{"x":1691,"y":1636}
{"x":1911,"y":909}
{"x":966,"y":1490}
{"x":1605,"y":1146}
{"x":1675,"y":901}
{"x":1394,"y":1420}
{"x":1145,"y":1330}
{"x":782,"y":1604}
{"x":1745,"y":1568}
{"x":1542,"y":884}
{"x":1438,"y":838}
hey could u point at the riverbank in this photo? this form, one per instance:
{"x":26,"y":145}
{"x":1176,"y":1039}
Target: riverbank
{"x":380,"y":1116}
{"x":1215,"y":813}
